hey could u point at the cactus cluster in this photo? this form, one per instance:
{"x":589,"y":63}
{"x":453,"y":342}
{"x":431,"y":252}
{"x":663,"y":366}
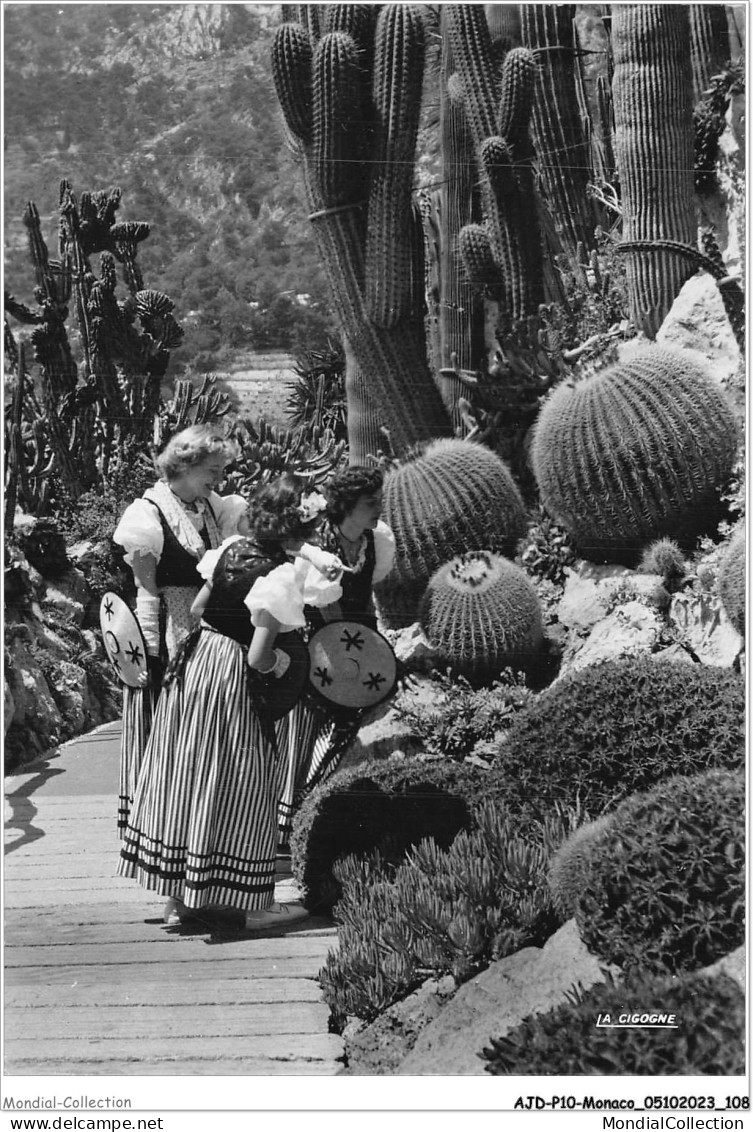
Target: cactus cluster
{"x":639,"y":451}
{"x":350,"y":89}
{"x":481,"y":614}
{"x":269,"y":450}
{"x":445,"y":499}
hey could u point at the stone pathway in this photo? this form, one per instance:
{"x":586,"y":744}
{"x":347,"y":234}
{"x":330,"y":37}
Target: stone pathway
{"x":96,"y":984}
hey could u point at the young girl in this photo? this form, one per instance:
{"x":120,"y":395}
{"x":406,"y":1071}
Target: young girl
{"x":203,"y":828}
{"x":165,"y":533}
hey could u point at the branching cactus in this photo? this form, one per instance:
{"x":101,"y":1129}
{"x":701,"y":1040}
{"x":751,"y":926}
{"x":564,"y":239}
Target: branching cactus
{"x":653,"y":107}
{"x":356,"y":145}
{"x":502,"y":256}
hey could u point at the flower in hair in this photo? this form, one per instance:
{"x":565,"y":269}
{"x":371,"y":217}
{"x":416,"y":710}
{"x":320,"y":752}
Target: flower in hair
{"x":311,"y":506}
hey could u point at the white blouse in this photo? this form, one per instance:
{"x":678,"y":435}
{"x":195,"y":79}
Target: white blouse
{"x":140,"y":530}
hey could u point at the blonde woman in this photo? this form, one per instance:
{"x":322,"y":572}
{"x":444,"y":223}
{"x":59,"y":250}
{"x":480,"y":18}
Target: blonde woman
{"x":165,"y":534}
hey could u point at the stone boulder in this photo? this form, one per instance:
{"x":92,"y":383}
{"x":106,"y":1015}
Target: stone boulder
{"x":629,"y":630}
{"x":697,"y":322}
{"x":589,"y":591}
{"x":702,"y":626}
{"x":377,"y":1049}
{"x":530,"y":981}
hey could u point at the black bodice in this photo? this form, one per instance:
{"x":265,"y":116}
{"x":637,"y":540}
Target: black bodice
{"x":177,"y":566}
{"x":237,"y":570}
{"x":355,"y":603}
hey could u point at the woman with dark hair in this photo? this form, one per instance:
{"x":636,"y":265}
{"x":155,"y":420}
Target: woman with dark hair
{"x":354,"y":533}
{"x":203,"y":828}
{"x":164,"y":534}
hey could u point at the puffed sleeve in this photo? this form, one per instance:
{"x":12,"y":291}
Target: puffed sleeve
{"x":208,"y":563}
{"x":316,"y":588}
{"x":228,"y":510}
{"x":384,"y":551}
{"x":140,"y":531}
{"x":279,"y":593}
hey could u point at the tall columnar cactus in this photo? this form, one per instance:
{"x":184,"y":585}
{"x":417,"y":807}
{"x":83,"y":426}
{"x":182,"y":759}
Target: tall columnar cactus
{"x":452,"y":497}
{"x":356,"y":144}
{"x":637,"y":452}
{"x":482,"y":614}
{"x":502,"y":256}
{"x":709,"y":44}
{"x":547,"y":30}
{"x":653,"y":108}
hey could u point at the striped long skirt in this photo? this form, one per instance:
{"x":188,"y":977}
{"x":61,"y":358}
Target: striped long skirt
{"x":139,"y":703}
{"x":312,"y":746}
{"x":203,"y":825}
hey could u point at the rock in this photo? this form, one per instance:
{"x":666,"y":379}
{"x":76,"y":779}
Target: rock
{"x":83,"y":553}
{"x":530,"y":981}
{"x":379,"y":1048}
{"x":732,"y":965}
{"x":381,"y":739}
{"x":43,"y":544}
{"x":698,"y":323}
{"x":60,"y":598}
{"x":704,"y":627}
{"x":412,"y":649}
{"x":589,"y":589}
{"x":36,"y":713}
{"x":631,"y":629}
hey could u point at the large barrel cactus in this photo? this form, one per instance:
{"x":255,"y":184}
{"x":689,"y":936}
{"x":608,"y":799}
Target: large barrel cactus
{"x":446,"y":498}
{"x":637,"y":452}
{"x":482,"y":614}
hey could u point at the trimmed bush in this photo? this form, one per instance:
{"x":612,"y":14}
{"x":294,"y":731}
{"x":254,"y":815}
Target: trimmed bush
{"x":384,"y":808}
{"x":731,"y":582}
{"x":482,"y":614}
{"x":444,"y":911}
{"x":665,"y":889}
{"x":639,"y":451}
{"x":565,"y":1041}
{"x":611,"y":729}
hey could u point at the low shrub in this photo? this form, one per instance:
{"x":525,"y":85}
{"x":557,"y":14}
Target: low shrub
{"x":566,"y":1041}
{"x":609,"y":730}
{"x":465,"y":716}
{"x":665,"y":888}
{"x":384,"y":808}
{"x":444,"y":911}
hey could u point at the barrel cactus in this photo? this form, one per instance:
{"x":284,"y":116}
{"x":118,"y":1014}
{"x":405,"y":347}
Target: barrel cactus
{"x":445,"y":499}
{"x":731,"y":581}
{"x":482,"y":614}
{"x":639,"y":451}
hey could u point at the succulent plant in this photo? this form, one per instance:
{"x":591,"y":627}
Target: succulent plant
{"x":731,"y":580}
{"x":636,"y":452}
{"x":446,"y":498}
{"x":481,"y":614}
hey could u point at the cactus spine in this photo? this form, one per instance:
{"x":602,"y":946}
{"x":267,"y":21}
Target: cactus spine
{"x":481,"y":613}
{"x":452,"y":497}
{"x":637,"y":452}
{"x":653,"y":109}
{"x":559,"y":138}
{"x":377,"y":289}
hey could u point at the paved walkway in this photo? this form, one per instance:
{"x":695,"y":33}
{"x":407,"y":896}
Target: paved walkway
{"x":95,"y":983}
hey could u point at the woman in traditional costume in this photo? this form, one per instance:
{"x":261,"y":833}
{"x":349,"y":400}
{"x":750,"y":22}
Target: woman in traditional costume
{"x":353,"y":531}
{"x":203,"y":827}
{"x":165,"y":534}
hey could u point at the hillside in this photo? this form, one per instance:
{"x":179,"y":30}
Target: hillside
{"x":175,"y":105}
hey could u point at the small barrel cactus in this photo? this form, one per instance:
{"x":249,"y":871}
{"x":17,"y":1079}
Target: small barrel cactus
{"x":731,"y":581}
{"x":570,"y":865}
{"x":482,"y":614}
{"x":449,"y":497}
{"x":639,"y":451}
